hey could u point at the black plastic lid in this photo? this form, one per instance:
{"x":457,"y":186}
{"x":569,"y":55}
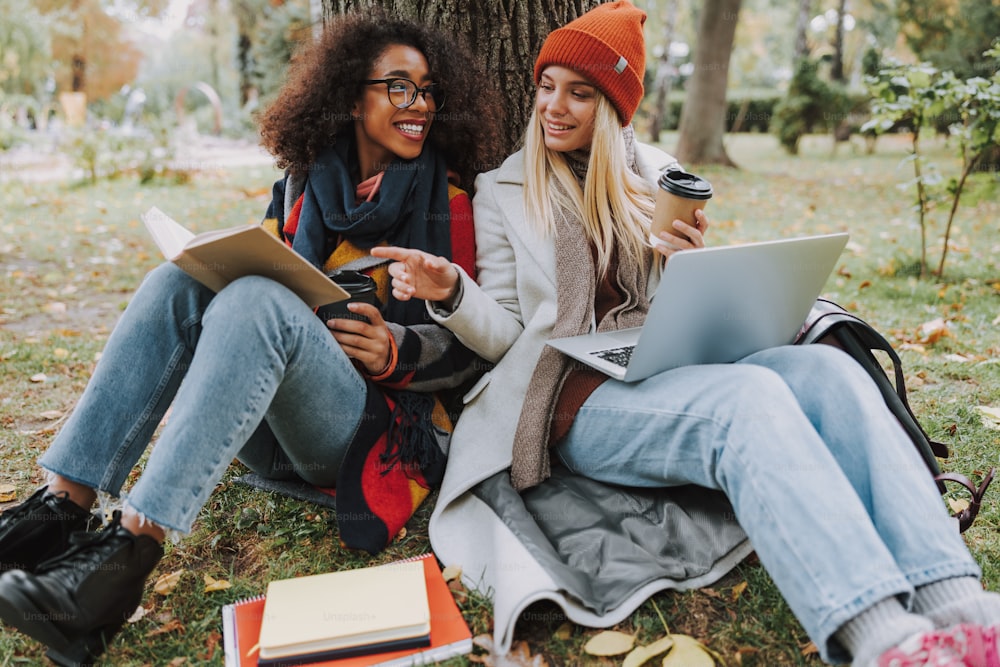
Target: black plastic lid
{"x":685,"y":185}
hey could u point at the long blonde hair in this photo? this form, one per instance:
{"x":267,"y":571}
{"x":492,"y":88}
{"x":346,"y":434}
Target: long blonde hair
{"x":615,"y":201}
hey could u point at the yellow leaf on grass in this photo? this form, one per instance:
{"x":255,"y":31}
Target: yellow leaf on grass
{"x":167,"y":582}
{"x":738,"y":590}
{"x":451,"y":573}
{"x":39,"y":377}
{"x":640,"y":655}
{"x":8,"y":492}
{"x":958,"y":504}
{"x":564,"y":631}
{"x":688,"y":652}
{"x":933,"y":331}
{"x":60,"y":353}
{"x":609,"y":642}
{"x":990,"y":416}
{"x":215,"y":584}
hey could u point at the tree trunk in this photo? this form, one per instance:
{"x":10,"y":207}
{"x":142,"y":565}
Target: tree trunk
{"x":506,"y":34}
{"x":703,"y":117}
{"x":802,"y":29}
{"x":664,"y":75}
{"x":837,"y":67}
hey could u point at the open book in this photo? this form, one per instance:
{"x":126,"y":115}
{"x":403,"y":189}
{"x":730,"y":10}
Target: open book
{"x":219,"y":257}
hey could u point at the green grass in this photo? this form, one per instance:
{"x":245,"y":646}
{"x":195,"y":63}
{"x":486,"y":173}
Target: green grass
{"x":72,"y":255}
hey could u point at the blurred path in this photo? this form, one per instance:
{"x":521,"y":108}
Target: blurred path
{"x":196,"y":153}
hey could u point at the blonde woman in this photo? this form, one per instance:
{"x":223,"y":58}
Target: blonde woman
{"x":819,"y":475}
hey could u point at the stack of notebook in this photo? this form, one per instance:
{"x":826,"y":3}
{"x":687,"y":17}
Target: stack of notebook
{"x":397,"y":614}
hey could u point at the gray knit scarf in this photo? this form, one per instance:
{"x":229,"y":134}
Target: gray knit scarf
{"x":576,"y":286}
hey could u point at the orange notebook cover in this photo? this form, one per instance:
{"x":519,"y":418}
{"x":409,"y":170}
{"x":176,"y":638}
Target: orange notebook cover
{"x":450,"y":635}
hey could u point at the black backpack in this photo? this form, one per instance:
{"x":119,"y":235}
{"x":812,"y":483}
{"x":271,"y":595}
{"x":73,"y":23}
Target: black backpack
{"x":829,"y":323}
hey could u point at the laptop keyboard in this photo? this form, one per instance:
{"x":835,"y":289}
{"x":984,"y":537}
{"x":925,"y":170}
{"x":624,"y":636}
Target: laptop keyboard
{"x":617,"y":355}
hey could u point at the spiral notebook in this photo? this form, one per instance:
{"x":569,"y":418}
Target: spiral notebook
{"x":449,"y":634}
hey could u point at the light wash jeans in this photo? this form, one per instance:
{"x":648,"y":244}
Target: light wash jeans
{"x":833,"y":495}
{"x":253,"y":351}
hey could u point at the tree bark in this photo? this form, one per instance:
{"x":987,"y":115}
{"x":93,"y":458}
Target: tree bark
{"x":837,"y":67}
{"x":506,"y":34}
{"x":703,"y":117}
{"x":664,"y":75}
{"x":802,"y":29}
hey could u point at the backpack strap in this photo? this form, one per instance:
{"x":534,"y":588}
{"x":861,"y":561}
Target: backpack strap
{"x":858,"y":339}
{"x":828,"y":322}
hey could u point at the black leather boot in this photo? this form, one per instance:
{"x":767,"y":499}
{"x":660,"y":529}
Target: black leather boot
{"x":76,"y":602}
{"x":38,"y":529}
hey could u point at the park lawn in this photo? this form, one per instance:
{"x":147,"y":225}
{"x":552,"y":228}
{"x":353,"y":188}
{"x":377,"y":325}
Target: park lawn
{"x":72,"y":256}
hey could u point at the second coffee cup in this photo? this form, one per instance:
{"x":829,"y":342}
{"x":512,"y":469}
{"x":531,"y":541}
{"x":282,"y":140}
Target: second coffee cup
{"x":360,"y":287}
{"x":678,"y":196}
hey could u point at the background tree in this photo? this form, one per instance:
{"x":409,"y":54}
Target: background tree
{"x":507,"y":35}
{"x":703,"y":117}
{"x":89,"y":45}
{"x":951,"y":34}
{"x":802,"y":29}
{"x":663,"y":73}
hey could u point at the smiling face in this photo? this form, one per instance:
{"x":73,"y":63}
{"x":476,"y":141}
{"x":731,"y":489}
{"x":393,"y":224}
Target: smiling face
{"x":383,"y":131}
{"x":565,"y":104}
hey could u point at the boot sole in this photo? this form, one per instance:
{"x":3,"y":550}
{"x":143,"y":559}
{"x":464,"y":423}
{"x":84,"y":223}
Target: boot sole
{"x":17,"y":611}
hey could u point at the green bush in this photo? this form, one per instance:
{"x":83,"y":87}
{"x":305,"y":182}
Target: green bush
{"x":746,"y":110}
{"x":810,"y":105}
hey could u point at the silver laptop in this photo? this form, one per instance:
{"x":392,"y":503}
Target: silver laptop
{"x":716,"y":305}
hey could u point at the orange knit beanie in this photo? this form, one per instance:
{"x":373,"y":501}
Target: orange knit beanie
{"x":606,"y":46}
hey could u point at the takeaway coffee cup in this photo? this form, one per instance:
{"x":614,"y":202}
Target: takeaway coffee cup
{"x":678,"y":196}
{"x":362,"y":289}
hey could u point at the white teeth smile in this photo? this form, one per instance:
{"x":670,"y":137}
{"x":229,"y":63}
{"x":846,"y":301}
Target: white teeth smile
{"x":559,"y":128}
{"x":411,"y":128}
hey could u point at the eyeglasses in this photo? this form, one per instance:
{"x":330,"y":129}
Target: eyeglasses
{"x":403,"y":92}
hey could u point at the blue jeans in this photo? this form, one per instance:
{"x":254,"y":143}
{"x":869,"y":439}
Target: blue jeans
{"x":833,"y":495}
{"x":250,"y":353}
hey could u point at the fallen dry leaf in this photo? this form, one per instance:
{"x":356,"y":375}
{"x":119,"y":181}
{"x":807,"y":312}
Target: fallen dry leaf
{"x":51,"y":414}
{"x":451,"y":572}
{"x":137,"y":615}
{"x":640,"y":655}
{"x":167,"y":582}
{"x":990,"y":416}
{"x":738,"y":590}
{"x":958,"y":505}
{"x":8,"y":492}
{"x":933,"y":331}
{"x":215,"y":584}
{"x":173,"y":625}
{"x":689,"y":652}
{"x":39,"y":377}
{"x":60,"y":353}
{"x":54,"y":308}
{"x":809,"y":649}
{"x":211,"y":644}
{"x":519,"y":656}
{"x":609,"y":642}
{"x":564,"y":631}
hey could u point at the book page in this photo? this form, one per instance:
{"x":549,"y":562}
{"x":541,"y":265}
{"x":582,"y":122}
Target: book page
{"x":216,"y":258}
{"x":170,"y":237}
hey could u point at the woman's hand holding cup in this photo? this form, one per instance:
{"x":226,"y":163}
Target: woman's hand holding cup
{"x":679,"y":220}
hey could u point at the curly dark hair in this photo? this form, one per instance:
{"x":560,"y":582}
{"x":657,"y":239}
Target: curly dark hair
{"x":323,"y":84}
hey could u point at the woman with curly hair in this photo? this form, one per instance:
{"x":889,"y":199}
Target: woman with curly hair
{"x":363,"y":403}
